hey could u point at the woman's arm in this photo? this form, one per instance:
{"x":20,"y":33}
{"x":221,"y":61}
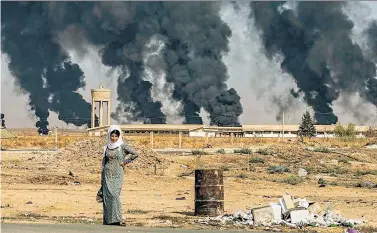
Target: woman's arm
{"x":128,"y":150}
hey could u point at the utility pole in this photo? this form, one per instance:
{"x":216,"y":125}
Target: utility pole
{"x":56,"y":137}
{"x":283,"y":125}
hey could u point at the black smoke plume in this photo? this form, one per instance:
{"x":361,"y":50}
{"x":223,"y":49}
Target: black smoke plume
{"x":42,"y":67}
{"x":315,"y":40}
{"x":372,"y":39}
{"x":282,"y":32}
{"x":2,"y":120}
{"x":371,"y":34}
{"x":352,"y":71}
{"x":196,"y":39}
{"x":120,"y":30}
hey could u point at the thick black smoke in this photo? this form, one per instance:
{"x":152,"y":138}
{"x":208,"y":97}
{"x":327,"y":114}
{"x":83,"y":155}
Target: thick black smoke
{"x":196,"y":39}
{"x":315,"y":40}
{"x":120,"y":30}
{"x":282,"y":32}
{"x":351,"y":70}
{"x":42,"y":67}
{"x":2,"y":120}
{"x":371,"y":34}
{"x":372,"y":39}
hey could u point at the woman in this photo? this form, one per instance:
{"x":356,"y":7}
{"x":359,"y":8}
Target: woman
{"x":114,"y":159}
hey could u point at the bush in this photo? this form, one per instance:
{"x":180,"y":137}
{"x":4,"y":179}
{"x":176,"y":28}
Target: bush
{"x":220,"y":151}
{"x":242,"y":176}
{"x":293,"y":180}
{"x":277,"y":169}
{"x":334,"y":170}
{"x":199,"y":152}
{"x":322,"y":150}
{"x":345,"y":132}
{"x":365,"y":172}
{"x":243,"y":151}
{"x":256,"y":160}
{"x":371,"y":133}
{"x":264,"y":151}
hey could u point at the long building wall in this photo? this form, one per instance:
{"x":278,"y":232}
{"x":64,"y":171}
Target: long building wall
{"x":265,"y":131}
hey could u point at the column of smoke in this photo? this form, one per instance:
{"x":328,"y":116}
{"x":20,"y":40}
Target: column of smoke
{"x":161,"y":90}
{"x":41,"y":66}
{"x":372,"y":39}
{"x":193,"y":55}
{"x":120,"y":31}
{"x":2,"y":120}
{"x":315,"y":40}
{"x":262,"y":85}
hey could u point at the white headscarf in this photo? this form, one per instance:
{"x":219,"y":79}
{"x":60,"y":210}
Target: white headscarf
{"x":109,"y":143}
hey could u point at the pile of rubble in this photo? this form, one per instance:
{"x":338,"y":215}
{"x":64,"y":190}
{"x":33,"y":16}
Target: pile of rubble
{"x":294,"y":213}
{"x":93,"y":147}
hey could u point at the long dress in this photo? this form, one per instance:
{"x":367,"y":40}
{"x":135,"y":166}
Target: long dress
{"x":112,"y":182}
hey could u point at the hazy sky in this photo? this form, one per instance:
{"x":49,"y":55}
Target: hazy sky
{"x":251,"y":74}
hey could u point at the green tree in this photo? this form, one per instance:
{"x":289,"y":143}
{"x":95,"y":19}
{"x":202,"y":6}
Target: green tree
{"x":372,"y":132}
{"x":307,"y":128}
{"x":345,"y":132}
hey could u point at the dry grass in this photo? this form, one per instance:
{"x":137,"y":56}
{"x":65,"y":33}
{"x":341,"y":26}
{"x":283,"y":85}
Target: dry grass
{"x":24,"y":140}
{"x":40,"y":142}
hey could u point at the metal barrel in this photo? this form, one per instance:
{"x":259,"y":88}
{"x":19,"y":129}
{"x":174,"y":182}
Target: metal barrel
{"x":209,"y":192}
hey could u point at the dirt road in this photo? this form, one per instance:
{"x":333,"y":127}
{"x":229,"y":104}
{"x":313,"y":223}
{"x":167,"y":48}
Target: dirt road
{"x":93,"y":228}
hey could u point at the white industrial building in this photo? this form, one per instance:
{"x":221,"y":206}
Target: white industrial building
{"x":249,"y":131}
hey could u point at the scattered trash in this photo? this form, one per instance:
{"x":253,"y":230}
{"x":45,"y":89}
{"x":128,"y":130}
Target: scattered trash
{"x":350,"y":230}
{"x":29,"y":203}
{"x":293,"y":213}
{"x":302,"y":172}
{"x":75,"y":183}
{"x":321,"y":182}
{"x":70,"y":173}
{"x":5,"y":206}
{"x":372,"y":146}
{"x":180,"y":198}
{"x":208,"y":146}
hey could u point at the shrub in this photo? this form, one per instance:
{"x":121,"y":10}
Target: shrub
{"x":345,"y":132}
{"x":243,"y":151}
{"x":242,"y":176}
{"x":322,"y":149}
{"x":264,"y":151}
{"x":257,"y":160}
{"x":220,"y":151}
{"x":293,"y":180}
{"x":199,"y":152}
{"x":277,"y":169}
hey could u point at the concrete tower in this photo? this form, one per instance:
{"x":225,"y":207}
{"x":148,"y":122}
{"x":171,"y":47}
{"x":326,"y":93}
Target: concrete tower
{"x":100,"y":96}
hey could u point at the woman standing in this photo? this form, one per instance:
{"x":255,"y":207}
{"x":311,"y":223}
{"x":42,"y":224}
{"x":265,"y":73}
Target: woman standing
{"x":114,"y":159}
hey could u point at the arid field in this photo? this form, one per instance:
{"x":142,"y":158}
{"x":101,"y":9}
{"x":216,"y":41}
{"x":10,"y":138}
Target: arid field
{"x":61,"y":186}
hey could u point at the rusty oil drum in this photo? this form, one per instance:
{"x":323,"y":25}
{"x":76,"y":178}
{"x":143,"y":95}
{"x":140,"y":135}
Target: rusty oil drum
{"x":209,"y":192}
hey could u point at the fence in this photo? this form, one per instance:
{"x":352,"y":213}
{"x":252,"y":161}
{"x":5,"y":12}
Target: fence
{"x":60,"y":138}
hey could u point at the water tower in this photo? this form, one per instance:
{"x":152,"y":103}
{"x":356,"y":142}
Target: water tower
{"x":100,"y":96}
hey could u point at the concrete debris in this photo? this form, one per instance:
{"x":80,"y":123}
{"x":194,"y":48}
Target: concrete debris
{"x":302,"y":172}
{"x":93,"y":147}
{"x":372,"y":146}
{"x":293,"y":213}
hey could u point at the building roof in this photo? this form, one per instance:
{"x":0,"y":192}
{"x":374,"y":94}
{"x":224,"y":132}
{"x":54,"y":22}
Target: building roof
{"x":243,"y":128}
{"x":6,"y":134}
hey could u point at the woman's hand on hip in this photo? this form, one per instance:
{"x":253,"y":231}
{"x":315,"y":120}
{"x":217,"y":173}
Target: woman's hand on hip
{"x":122,"y":164}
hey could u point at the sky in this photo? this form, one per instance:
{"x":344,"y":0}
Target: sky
{"x":252,"y":75}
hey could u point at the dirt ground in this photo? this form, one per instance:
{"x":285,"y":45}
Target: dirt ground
{"x":61,"y":186}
